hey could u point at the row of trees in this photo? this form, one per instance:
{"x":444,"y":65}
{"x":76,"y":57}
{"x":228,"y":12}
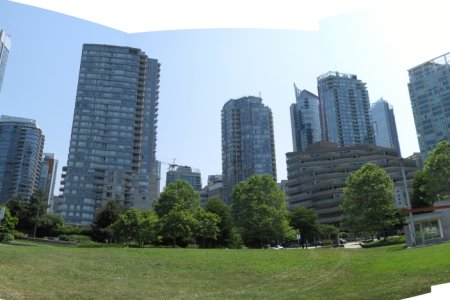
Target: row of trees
{"x":257,"y":217}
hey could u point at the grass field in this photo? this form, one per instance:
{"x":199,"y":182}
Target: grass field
{"x":36,"y":271}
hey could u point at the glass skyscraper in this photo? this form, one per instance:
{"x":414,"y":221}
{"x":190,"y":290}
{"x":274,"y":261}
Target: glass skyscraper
{"x":21,"y":146}
{"x":429,"y":91}
{"x":113,"y":142}
{"x":248,"y":145}
{"x":305,"y":119}
{"x":344,"y":109}
{"x":5,"y":46}
{"x":385,"y":129}
{"x":47,"y":177}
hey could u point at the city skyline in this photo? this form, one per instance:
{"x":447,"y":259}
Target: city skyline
{"x":201,"y":70}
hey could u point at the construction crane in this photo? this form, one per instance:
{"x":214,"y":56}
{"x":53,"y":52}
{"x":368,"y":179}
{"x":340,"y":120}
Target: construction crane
{"x":173,"y":166}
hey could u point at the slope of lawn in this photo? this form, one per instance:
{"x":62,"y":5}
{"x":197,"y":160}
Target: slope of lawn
{"x":36,"y":271}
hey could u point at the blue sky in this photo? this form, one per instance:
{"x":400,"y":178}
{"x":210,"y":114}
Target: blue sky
{"x":202,"y":69}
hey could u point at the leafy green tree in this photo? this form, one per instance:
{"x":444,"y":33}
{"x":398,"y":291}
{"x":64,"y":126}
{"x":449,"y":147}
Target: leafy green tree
{"x":177,"y":195}
{"x":17,"y":208}
{"x":135,"y":225}
{"x":328,"y":231}
{"x":207,"y":226}
{"x":149,"y":228}
{"x":35,"y":209}
{"x":49,"y":225}
{"x":419,"y":197}
{"x":128,"y":226}
{"x":216,"y":206}
{"x":259,"y":211}
{"x":369,"y":201}
{"x":306,"y":221}
{"x":104,"y":218}
{"x":179,"y":226}
{"x":7,"y":225}
{"x":436,"y":173}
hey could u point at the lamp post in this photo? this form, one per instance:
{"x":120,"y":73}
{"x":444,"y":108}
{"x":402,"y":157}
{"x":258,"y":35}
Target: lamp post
{"x":412,"y":232}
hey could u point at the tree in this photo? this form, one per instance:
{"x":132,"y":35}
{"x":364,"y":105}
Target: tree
{"x":306,"y":221}
{"x":259,"y":211}
{"x":216,"y":206}
{"x":207,"y":225}
{"x":419,"y":197}
{"x":436,"y":173}
{"x":177,"y":195}
{"x":7,"y":225}
{"x":369,"y":201}
{"x":17,"y":208}
{"x":105,"y":217}
{"x":49,"y":225}
{"x":179,"y":226}
{"x":36,"y":208}
{"x":135,"y":225}
{"x":328,"y":231}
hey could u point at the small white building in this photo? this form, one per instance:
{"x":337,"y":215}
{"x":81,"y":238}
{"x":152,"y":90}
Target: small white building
{"x":430,"y":227}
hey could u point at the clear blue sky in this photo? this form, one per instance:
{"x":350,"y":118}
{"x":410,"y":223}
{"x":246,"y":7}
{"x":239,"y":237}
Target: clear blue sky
{"x":202,"y":69}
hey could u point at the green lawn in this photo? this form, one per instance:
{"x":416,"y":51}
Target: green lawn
{"x":54,"y":272}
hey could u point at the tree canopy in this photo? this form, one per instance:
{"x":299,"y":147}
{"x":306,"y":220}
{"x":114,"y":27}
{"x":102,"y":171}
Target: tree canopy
{"x":216,"y":206}
{"x":436,"y":174}
{"x":306,"y":221}
{"x":106,"y":216}
{"x":259,"y":211}
{"x":180,"y":195}
{"x":369,"y":201}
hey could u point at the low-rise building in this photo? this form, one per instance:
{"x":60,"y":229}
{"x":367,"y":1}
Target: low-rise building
{"x":185,"y":173}
{"x":214,"y":189}
{"x":317,"y":176}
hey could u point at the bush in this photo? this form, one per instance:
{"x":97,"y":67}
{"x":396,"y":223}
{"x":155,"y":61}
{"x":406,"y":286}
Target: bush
{"x":327,"y":242}
{"x":385,"y":242}
{"x":5,"y":237}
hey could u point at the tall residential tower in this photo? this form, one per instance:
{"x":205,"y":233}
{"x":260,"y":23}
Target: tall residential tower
{"x":113,"y":141}
{"x":429,"y":91}
{"x":344,"y":109}
{"x":21,"y":146}
{"x":5,"y":46}
{"x":385,"y":129}
{"x":305,"y":119}
{"x":248,"y":145}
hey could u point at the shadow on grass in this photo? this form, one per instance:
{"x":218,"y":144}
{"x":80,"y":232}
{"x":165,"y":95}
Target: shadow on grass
{"x":17,"y":244}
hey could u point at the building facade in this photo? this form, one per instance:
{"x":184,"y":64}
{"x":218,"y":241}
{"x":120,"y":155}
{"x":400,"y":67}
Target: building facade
{"x":248,"y":145}
{"x":113,"y":141}
{"x":21,"y":146}
{"x":316,"y":177}
{"x":429,"y":92}
{"x":305,"y":119}
{"x":384,"y":126}
{"x":214,"y":189}
{"x":344,"y":110}
{"x":5,"y":46}
{"x":185,"y":173}
{"x":47,"y":178}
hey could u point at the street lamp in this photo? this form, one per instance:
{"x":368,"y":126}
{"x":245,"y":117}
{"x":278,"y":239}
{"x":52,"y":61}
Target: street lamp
{"x":408,"y":203}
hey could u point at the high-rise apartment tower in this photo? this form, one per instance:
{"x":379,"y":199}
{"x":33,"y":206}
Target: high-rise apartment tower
{"x":21,"y":146}
{"x":248,"y":145}
{"x":344,"y":109}
{"x":113,"y":142}
{"x":5,"y":46}
{"x":429,"y":91}
{"x":385,"y":129}
{"x":47,"y":177}
{"x":305,"y":119}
